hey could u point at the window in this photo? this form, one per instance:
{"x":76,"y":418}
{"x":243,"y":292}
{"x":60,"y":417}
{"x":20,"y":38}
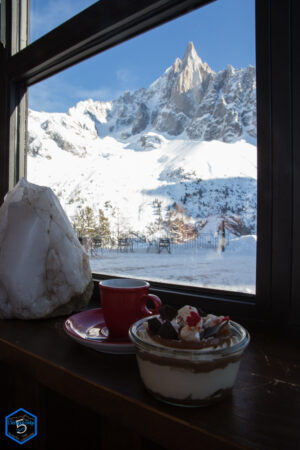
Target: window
{"x":46,"y":15}
{"x":152,"y":152}
{"x":277,"y":289}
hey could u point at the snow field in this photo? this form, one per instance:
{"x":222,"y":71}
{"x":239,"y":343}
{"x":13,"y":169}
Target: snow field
{"x":232,"y":270}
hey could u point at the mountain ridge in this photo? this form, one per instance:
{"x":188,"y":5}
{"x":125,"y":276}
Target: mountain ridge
{"x":192,"y":123}
{"x":189,"y":97}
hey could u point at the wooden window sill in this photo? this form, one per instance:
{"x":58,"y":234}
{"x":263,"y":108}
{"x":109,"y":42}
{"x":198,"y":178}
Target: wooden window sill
{"x":263,"y":412}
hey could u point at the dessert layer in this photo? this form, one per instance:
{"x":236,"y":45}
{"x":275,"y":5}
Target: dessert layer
{"x":180,"y":383}
{"x":213,"y":343}
{"x":204,"y":363}
{"x":216,"y":397}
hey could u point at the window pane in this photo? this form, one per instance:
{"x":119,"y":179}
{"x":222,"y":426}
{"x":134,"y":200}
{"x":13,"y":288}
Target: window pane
{"x":151,"y":149}
{"x":48,"y":14}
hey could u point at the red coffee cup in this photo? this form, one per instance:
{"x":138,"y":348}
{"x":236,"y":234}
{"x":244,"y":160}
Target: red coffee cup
{"x":124,"y":301}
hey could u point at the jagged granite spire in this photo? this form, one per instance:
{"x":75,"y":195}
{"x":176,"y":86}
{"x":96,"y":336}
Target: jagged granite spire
{"x":191,"y":54}
{"x":187,"y":92}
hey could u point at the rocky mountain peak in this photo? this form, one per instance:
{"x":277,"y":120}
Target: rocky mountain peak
{"x":191,"y":55}
{"x":192,"y":98}
{"x":186,"y":91}
{"x":188,"y":99}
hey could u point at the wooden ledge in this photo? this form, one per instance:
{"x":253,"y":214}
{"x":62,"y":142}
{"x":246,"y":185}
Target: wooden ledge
{"x":263,"y":412}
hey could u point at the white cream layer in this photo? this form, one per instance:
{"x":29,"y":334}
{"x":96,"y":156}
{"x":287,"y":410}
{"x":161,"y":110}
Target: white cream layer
{"x":176,"y":383}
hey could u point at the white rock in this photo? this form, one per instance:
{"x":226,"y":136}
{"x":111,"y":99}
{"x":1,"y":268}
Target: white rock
{"x":44,"y":271}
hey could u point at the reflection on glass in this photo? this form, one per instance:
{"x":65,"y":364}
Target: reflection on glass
{"x":157,"y":169}
{"x":48,"y":14}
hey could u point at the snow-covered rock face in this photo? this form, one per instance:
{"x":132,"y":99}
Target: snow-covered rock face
{"x":189,"y":97}
{"x":190,"y":137}
{"x":44,"y":271}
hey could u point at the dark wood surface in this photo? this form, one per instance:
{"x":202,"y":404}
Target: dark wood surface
{"x":263,"y":412}
{"x":295,"y":14}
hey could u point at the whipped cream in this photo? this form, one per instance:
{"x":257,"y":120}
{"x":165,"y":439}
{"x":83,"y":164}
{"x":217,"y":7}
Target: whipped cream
{"x":184,"y":312}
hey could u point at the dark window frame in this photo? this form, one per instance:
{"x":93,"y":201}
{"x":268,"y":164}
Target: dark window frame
{"x":110,"y":22}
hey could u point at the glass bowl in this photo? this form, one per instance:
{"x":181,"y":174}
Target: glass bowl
{"x":188,"y":377}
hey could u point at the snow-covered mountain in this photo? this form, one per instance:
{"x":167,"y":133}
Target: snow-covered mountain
{"x":188,"y":138}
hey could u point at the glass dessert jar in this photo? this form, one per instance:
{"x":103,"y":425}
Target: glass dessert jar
{"x":188,"y":377}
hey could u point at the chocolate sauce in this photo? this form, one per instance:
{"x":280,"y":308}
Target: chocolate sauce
{"x":191,"y":365}
{"x":213,"y":342}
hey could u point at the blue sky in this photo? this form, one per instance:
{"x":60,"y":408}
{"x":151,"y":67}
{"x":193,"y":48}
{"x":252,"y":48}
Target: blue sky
{"x":223,"y":33}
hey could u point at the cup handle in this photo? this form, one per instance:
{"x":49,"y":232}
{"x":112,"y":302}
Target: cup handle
{"x":157,"y":305}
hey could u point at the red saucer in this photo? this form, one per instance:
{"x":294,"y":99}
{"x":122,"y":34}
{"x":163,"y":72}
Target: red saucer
{"x":88,"y":328}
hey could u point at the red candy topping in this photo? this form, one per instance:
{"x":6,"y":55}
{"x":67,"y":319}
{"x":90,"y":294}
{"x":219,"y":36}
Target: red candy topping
{"x":192,"y":319}
{"x":225,"y":319}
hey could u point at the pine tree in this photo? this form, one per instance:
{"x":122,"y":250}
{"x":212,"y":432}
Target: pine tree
{"x":157,"y":211}
{"x":84,"y":222}
{"x":103,"y":229}
{"x":119,"y":224}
